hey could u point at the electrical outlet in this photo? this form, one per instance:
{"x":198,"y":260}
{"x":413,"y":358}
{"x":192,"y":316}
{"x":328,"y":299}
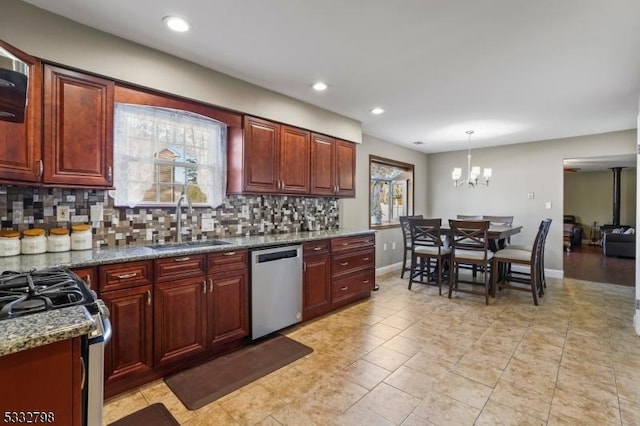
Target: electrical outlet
{"x":62,"y":213}
{"x":531,"y":195}
{"x":96,"y":213}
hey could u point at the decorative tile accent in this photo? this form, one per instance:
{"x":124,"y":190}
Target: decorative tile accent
{"x":25,"y":207}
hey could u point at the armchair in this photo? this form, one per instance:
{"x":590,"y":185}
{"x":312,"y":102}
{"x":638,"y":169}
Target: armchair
{"x":619,"y":242}
{"x":573,"y":230}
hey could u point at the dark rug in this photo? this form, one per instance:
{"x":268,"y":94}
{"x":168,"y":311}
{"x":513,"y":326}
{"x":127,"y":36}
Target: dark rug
{"x":205,"y":383}
{"x":155,"y":414}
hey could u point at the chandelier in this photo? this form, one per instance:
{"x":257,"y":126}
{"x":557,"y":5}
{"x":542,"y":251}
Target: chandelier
{"x":473,"y":173}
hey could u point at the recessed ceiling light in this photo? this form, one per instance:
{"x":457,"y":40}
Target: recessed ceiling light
{"x":176,"y":24}
{"x":377,"y":111}
{"x":319,"y":86}
{"x":418,"y":143}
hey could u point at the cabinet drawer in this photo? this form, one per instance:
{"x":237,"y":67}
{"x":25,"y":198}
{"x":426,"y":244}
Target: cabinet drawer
{"x":353,"y":261}
{"x":88,"y":275}
{"x":227,"y":261}
{"x":180,"y":267}
{"x":352,"y":286}
{"x":349,"y":243}
{"x":316,"y":247}
{"x":125,"y":275}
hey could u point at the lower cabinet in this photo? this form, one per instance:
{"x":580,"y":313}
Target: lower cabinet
{"x":227,"y":308}
{"x":179,"y":330}
{"x":316,"y":283}
{"x":55,"y":390}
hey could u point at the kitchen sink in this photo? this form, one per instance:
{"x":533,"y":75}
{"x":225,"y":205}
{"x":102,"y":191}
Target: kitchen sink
{"x":188,"y":244}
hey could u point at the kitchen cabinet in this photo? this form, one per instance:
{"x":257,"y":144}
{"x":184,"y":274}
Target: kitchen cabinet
{"x":126,"y":289}
{"x":78,"y":129}
{"x":316,"y":283}
{"x":21,"y":143}
{"x":47,"y":379}
{"x":332,"y":166}
{"x":274,"y":159}
{"x":352,"y":268}
{"x":88,"y":275}
{"x":179,"y":308}
{"x":227,"y":298}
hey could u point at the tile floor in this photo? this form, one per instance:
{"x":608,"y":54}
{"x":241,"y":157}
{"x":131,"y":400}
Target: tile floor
{"x":415,"y":358}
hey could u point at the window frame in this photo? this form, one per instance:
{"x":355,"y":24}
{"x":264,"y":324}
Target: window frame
{"x":410,"y":168}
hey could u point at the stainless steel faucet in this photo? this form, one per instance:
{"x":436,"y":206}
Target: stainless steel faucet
{"x":183,"y":197}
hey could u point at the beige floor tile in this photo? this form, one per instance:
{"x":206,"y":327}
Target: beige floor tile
{"x":494,"y":414}
{"x":429,"y":364}
{"x":477,"y":371}
{"x":290,"y":384}
{"x":538,"y":376}
{"x":583,"y":410}
{"x":463,"y":389}
{"x":386,"y":358}
{"x":158,"y":391}
{"x":403,"y":345}
{"x":123,"y":405}
{"x":587,"y":386}
{"x":414,"y":420}
{"x":630,"y":412}
{"x":304,"y":412}
{"x":411,"y":381}
{"x":446,"y":411}
{"x":359,"y":415}
{"x":250,"y":407}
{"x":365,"y":374}
{"x":337,"y":393}
{"x":628,"y":387}
{"x":521,"y":399}
{"x":211,"y":415}
{"x":389,"y":402}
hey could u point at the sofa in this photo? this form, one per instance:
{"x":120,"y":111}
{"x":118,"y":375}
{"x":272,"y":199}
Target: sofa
{"x":619,"y":242}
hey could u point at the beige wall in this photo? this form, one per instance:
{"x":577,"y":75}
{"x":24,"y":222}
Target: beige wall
{"x":53,"y":38}
{"x":354,"y":212}
{"x":518,"y":170}
{"x":589,"y":196}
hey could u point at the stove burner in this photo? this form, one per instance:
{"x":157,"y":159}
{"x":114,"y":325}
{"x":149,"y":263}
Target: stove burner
{"x":37,"y":291}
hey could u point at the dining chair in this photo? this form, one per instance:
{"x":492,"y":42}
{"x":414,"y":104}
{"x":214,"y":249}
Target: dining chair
{"x":406,"y":238}
{"x":499,"y":220}
{"x":427,"y":245}
{"x":530,"y":280}
{"x":469,"y":217}
{"x":470,"y":246}
{"x":542,"y":283}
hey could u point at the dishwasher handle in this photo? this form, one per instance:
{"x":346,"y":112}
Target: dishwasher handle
{"x":270,"y":257}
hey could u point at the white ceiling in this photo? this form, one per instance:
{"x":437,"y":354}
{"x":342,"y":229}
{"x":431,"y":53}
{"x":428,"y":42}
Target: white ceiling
{"x":512,"y":70}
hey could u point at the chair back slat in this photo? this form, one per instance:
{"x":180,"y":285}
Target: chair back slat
{"x":426,"y":232}
{"x":469,"y":234}
{"x":404,"y":224}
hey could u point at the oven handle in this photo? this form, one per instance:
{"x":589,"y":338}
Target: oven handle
{"x":106,"y":333}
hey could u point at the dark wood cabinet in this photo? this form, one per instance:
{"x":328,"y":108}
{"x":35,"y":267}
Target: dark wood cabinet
{"x":333,"y":165}
{"x":47,"y":379}
{"x":275,"y":159}
{"x":227,"y":298}
{"x":179,"y":331}
{"x":352,"y":268}
{"x":129,"y":354}
{"x":88,"y":275}
{"x":21,"y":143}
{"x":316,"y":283}
{"x":126,"y":288}
{"x":78,"y":129}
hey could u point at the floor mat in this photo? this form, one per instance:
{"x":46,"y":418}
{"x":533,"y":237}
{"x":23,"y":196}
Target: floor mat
{"x":155,"y":414}
{"x":205,"y":383}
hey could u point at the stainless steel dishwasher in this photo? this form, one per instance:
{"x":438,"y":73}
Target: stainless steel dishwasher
{"x":276,"y":289}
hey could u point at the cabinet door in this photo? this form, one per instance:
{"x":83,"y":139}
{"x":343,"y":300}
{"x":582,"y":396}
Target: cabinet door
{"x":261,"y":140}
{"x":20,"y":143}
{"x":295,"y":146}
{"x":88,"y":275}
{"x":47,"y":379}
{"x":322,"y":165}
{"x":316,"y":286}
{"x":228,"y":308}
{"x":179,"y":320}
{"x":129,"y":353}
{"x":345,"y":169}
{"x":78,"y":128}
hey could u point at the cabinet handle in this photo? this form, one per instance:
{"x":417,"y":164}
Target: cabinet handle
{"x":317,"y":248}
{"x":365,"y":258}
{"x":230,"y":253}
{"x":148,"y":297}
{"x":345,"y":244}
{"x":365,"y":281}
{"x":304,"y":266}
{"x":125,"y":276}
{"x":210,"y":285}
{"x":345,"y":288}
{"x":83,"y":379}
{"x":344,"y":263}
{"x":204,"y":287}
{"x":181,"y":259}
{"x":109,"y":173}
{"x":87,"y":279}
{"x":40,"y":168}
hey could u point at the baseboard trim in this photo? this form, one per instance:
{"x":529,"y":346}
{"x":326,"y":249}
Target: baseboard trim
{"x":549,"y":273}
{"x":383,"y":270}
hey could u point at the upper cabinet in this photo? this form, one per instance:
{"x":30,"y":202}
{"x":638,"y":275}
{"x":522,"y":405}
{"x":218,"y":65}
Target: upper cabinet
{"x":78,"y":129}
{"x":272,"y":158}
{"x":21,"y":142}
{"x":333,"y":164}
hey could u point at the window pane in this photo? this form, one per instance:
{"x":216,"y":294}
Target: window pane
{"x":391,"y":191}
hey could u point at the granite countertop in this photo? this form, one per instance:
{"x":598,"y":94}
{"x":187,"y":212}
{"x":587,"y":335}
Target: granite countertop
{"x":84,"y":258}
{"x":30,"y":331}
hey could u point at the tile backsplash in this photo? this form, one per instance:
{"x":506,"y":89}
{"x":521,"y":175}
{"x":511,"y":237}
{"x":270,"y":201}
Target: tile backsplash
{"x":25,"y":207}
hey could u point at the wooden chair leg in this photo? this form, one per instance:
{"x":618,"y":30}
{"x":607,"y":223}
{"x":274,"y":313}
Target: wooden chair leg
{"x":412,"y":270}
{"x":404,"y":264}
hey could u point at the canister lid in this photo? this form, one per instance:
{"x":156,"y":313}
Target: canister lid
{"x":80,"y":227}
{"x":9,"y":234}
{"x":35,"y":232}
{"x":59,"y":231}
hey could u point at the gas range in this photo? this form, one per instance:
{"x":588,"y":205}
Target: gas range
{"x":24,"y":293}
